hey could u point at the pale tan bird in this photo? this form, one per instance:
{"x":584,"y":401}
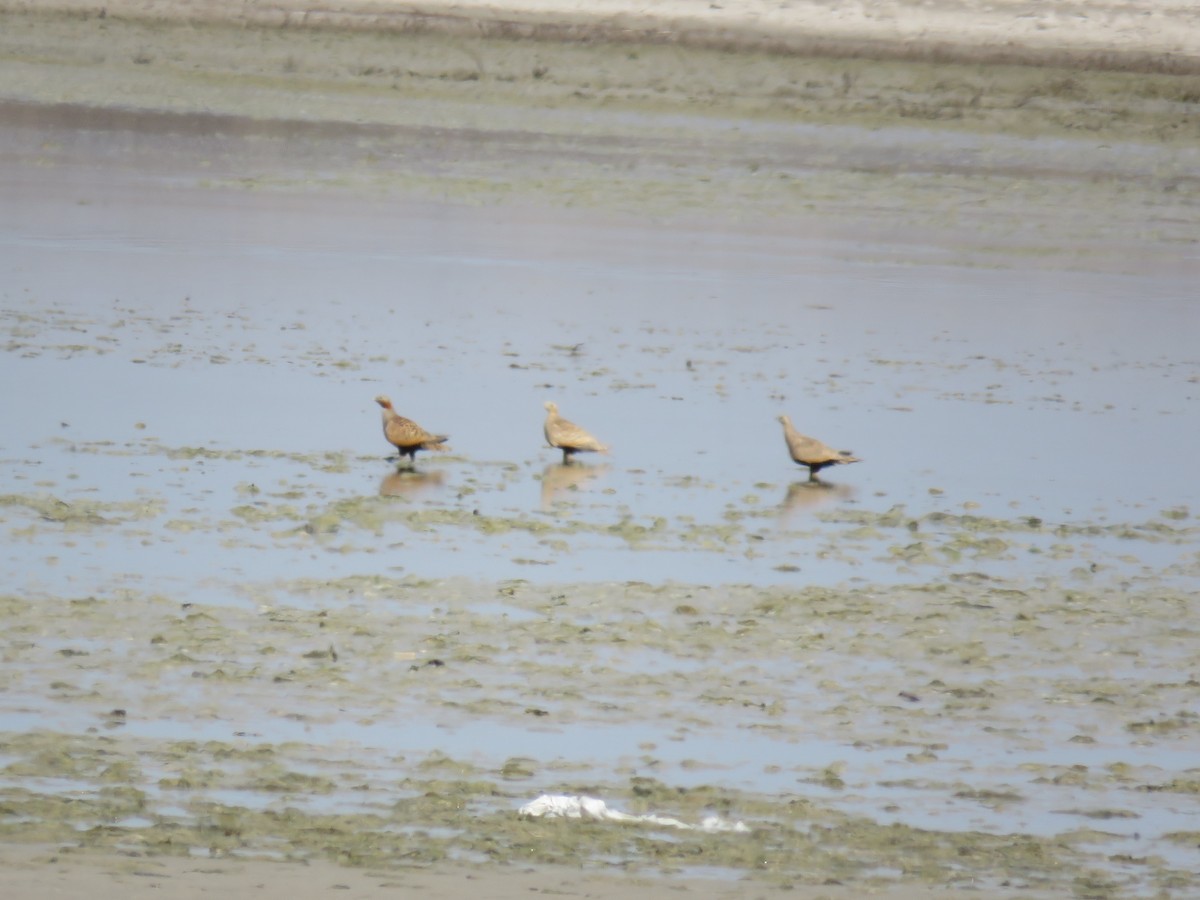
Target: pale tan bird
{"x":810,"y":452}
{"x":407,"y":436}
{"x":567,"y":436}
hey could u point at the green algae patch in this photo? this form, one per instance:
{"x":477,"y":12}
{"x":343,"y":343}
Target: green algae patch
{"x":375,"y":514}
{"x":322,"y":691}
{"x":78,"y":513}
{"x":1185,"y":721}
{"x":1178,"y":786}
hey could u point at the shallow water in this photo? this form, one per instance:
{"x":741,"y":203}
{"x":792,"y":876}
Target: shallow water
{"x":258,"y":327}
{"x":202,"y":526}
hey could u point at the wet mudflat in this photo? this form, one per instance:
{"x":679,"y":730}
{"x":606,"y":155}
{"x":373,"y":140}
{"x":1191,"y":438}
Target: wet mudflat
{"x":233,"y":628}
{"x":1045,"y":737}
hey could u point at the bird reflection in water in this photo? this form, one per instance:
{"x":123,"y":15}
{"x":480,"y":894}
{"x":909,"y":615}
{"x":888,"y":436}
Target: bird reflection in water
{"x":560,"y":477}
{"x":805,"y":496}
{"x":405,"y":482}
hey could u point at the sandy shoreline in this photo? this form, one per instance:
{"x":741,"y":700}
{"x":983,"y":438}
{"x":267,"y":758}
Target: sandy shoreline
{"x":990,"y":157}
{"x":1144,"y":35}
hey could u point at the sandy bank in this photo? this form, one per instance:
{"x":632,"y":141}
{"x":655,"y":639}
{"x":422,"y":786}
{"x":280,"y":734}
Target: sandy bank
{"x":1148,"y":35}
{"x":200,"y":213}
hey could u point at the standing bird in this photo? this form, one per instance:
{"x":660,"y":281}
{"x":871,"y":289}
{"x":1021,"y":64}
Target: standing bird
{"x":567,"y":436}
{"x":811,"y":452}
{"x":407,"y":435}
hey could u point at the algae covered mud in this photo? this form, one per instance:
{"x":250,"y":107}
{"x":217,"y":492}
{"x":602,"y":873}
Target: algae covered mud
{"x":968,"y":734}
{"x":234,"y":630}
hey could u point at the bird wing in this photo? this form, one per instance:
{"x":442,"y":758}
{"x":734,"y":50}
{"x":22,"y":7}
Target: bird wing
{"x":406,"y":433}
{"x":809,"y":450}
{"x":567,"y":434}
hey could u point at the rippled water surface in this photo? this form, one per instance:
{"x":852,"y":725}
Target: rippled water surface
{"x":208,"y":351}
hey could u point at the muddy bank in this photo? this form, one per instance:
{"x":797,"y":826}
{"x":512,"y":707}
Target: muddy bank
{"x":1079,"y":167}
{"x":223,"y":64}
{"x":1131,"y":36}
{"x":896,"y":739}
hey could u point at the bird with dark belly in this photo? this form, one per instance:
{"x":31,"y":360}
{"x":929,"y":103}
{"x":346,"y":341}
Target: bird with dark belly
{"x":808,"y":451}
{"x":406,"y":435}
{"x":567,"y":436}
